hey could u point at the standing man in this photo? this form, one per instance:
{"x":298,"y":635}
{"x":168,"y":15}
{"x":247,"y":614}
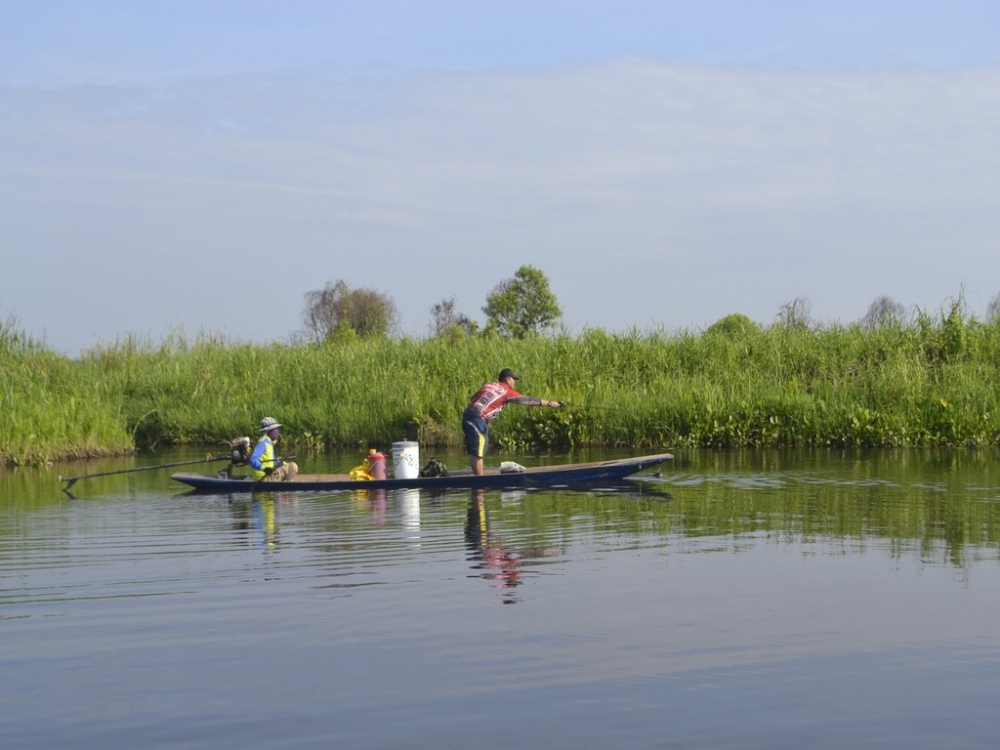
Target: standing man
{"x":262,"y":460}
{"x":485,"y":407}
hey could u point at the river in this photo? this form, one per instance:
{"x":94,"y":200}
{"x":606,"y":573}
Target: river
{"x":757,"y":599}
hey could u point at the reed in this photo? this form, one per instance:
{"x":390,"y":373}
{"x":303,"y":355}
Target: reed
{"x":933,"y":382}
{"x":50,"y":406}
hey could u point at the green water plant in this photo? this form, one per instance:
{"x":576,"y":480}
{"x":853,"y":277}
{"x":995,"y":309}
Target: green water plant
{"x":932,"y":380}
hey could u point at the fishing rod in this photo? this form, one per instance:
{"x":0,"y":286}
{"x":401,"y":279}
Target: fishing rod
{"x":590,"y":406}
{"x":74,"y":480}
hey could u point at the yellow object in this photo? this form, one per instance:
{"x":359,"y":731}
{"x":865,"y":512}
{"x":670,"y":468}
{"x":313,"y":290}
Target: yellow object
{"x":361,"y":472}
{"x":266,"y":459}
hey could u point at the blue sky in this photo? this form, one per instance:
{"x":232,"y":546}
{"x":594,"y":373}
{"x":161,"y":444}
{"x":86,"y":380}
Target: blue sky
{"x":200,"y":166}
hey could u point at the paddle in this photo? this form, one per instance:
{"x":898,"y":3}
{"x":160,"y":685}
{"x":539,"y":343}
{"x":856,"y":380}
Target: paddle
{"x":74,"y":480}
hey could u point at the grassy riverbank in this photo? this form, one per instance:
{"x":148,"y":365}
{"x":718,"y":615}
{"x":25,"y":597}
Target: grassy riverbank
{"x":933,"y":382}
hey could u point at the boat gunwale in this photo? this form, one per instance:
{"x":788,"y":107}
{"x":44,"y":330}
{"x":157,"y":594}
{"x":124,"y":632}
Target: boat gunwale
{"x":493,"y":478}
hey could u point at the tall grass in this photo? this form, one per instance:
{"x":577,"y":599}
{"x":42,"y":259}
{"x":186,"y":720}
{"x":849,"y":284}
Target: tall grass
{"x":935,"y":381}
{"x":50,"y":407}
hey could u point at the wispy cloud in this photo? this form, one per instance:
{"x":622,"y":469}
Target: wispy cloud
{"x":732,"y":190}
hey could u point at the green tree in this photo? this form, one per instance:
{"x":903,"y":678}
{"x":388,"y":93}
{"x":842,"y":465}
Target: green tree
{"x":523,"y":305}
{"x":734,"y":325}
{"x":329,"y":313}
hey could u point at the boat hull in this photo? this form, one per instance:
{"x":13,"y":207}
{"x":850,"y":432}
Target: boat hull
{"x":537,"y":476}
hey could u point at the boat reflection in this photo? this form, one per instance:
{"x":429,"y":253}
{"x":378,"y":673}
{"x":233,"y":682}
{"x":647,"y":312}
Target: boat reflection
{"x":632,"y":488}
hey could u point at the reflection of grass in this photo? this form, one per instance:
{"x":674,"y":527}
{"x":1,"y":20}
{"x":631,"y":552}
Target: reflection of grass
{"x":937,"y":506}
{"x":935,"y":382}
{"x":933,"y":503}
{"x":928,"y":504}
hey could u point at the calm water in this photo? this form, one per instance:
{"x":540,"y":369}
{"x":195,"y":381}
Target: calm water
{"x":741,"y":600}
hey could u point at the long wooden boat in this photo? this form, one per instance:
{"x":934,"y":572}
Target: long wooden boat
{"x":536,"y":476}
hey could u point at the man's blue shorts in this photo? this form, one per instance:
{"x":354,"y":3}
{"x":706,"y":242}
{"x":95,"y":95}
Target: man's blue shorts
{"x":477,"y":435}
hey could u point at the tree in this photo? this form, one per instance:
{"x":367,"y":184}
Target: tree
{"x":993,"y":309}
{"x":522,"y":306}
{"x":733,"y":326}
{"x":795,"y":314}
{"x":337,"y":310}
{"x":883,"y":312}
{"x":446,"y":319}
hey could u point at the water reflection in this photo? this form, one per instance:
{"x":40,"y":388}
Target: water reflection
{"x":404,"y":502}
{"x":821,"y":600}
{"x":937,"y":505}
{"x":258,"y":517}
{"x":407,"y":504}
{"x":373,"y":502}
{"x":499,"y":564}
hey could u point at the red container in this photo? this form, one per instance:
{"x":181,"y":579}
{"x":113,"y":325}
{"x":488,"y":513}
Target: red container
{"x":376,"y":465}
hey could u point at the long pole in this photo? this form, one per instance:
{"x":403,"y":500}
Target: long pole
{"x":73,"y":480}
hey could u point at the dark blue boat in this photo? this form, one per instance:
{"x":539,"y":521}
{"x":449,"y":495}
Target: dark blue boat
{"x":536,"y":476}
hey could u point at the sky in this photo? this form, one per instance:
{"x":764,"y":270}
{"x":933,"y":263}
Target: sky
{"x":196,"y":167}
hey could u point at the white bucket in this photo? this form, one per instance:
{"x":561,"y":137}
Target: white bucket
{"x":405,"y":460}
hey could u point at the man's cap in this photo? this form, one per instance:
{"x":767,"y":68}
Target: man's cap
{"x":269,"y":423}
{"x":507,"y":373}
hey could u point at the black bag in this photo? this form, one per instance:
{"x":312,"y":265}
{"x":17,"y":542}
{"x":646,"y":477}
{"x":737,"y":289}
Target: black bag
{"x":434,"y":468}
